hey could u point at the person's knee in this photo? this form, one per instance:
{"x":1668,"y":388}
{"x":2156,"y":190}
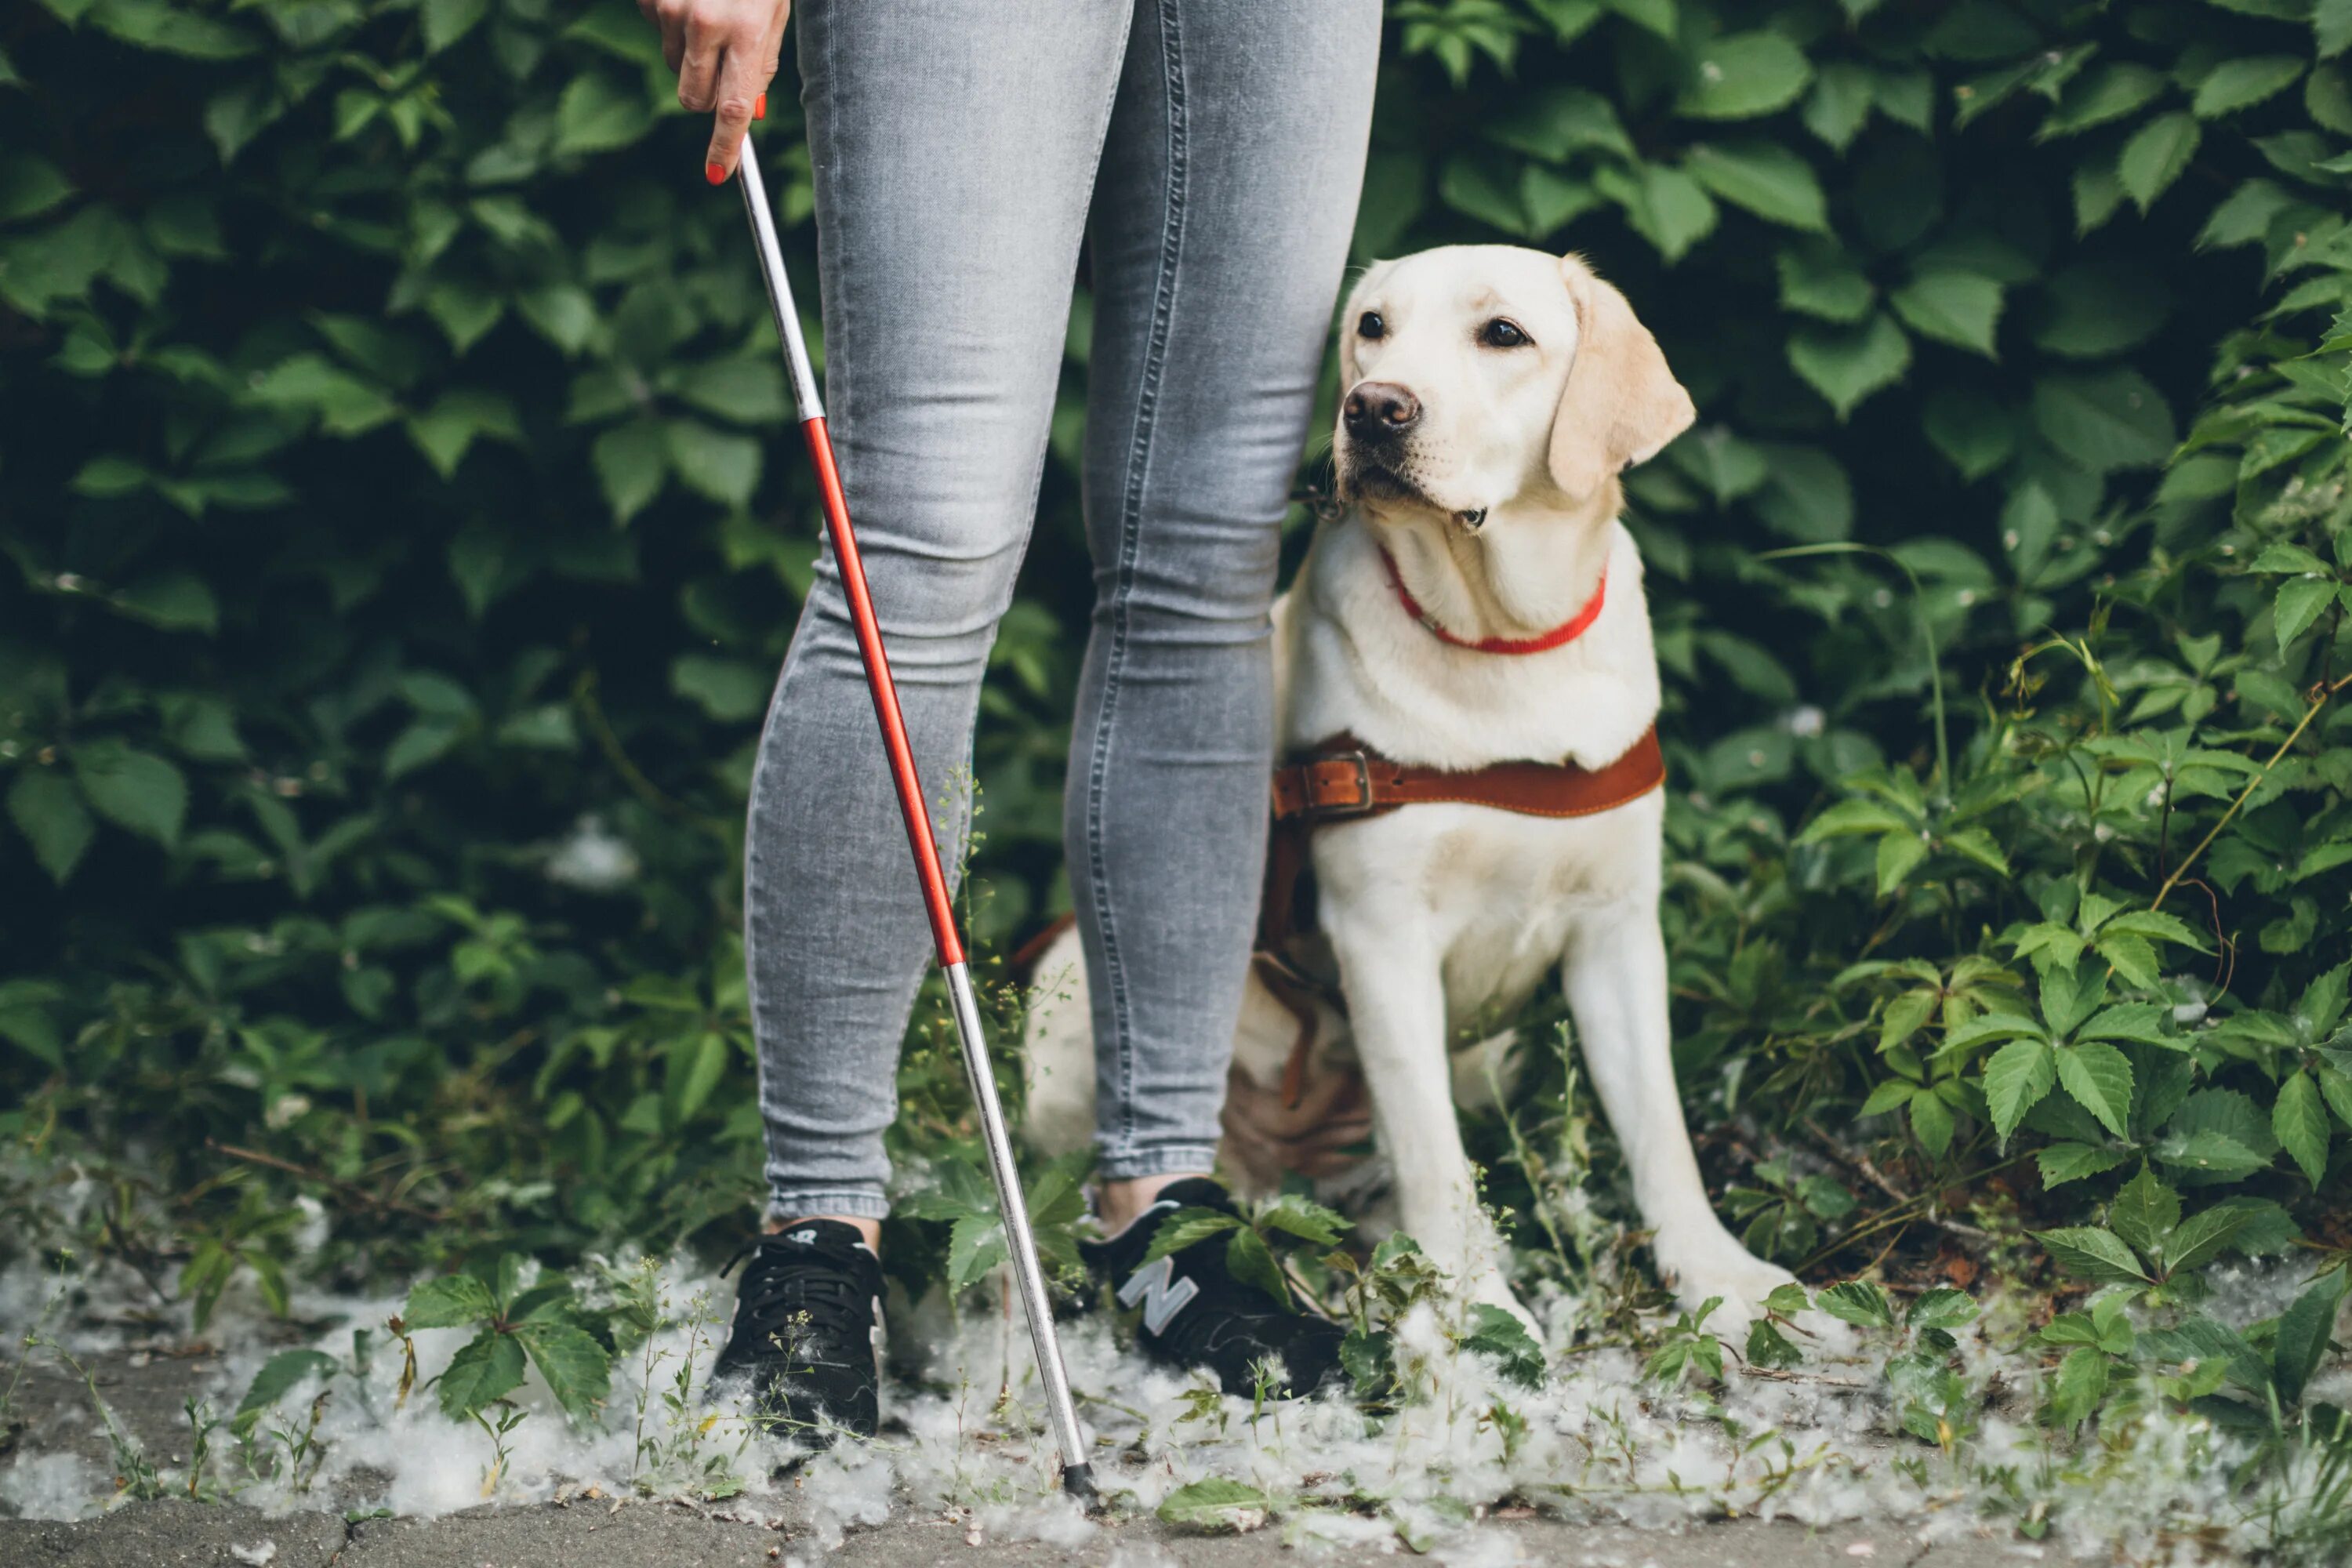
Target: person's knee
{"x":938,"y":608}
{"x":1199,"y":579}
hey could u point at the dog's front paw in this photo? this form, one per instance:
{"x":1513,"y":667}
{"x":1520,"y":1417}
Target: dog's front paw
{"x":1714,"y":1266}
{"x":1489,"y":1287}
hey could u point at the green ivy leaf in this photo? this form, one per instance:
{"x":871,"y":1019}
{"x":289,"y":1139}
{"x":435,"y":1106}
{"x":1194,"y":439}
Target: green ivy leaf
{"x":2064,"y":1162}
{"x":1554,"y":123}
{"x":631,"y":462}
{"x":1892,"y":1094}
{"x":2104,"y":420}
{"x":2078,"y":1388}
{"x":2331,"y":22}
{"x":696,"y":1065}
{"x":1764,"y":177}
{"x":2300,"y":602}
{"x":1958,"y":308}
{"x":2156,"y":155}
{"x":279,"y":1377}
{"x":2101,"y":95}
{"x":172,"y":601}
{"x":1215,"y":1504}
{"x":2305,"y":1333}
{"x":1857,"y":1302}
{"x":1822,"y":279}
{"x":1898,"y":854}
{"x":1843,"y":91}
{"x":1665,"y":206}
{"x":1479,"y":186}
{"x":598,"y":112}
{"x":730,"y":690}
{"x":1846,"y":367}
{"x":48,"y":810}
{"x":1769,"y":1347}
{"x":1253,"y":1262}
{"x":722,"y":467}
{"x":1293,"y":1213}
{"x":1976,"y":433}
{"x":2090,"y":1253}
{"x":1941,"y":1307}
{"x":2299,"y":1120}
{"x":449,"y":1301}
{"x":1660,"y":16}
{"x":2099,"y":192}
{"x":577,"y":1369}
{"x":2220,"y":1132}
{"x":2200,"y":1238}
{"x":2241,"y":83}
{"x":1497,"y":1333}
{"x":446,"y":21}
{"x":488,"y":1367}
{"x":1185,"y":1226}
{"x":444,"y":432}
{"x":159,"y":24}
{"x":2015,"y":1079}
{"x":30,"y":186}
{"x":134,"y":789}
{"x":1743,"y":75}
{"x":2099,"y":1076}
{"x":976,"y":1244}
{"x":2145,"y":1211}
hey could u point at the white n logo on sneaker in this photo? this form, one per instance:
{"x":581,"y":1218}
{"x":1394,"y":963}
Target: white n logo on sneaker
{"x":1162,"y":1294}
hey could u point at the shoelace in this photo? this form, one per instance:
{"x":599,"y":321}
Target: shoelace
{"x":775,"y":1292}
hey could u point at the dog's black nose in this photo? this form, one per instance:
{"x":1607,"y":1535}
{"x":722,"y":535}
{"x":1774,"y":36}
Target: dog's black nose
{"x":1381,"y":408}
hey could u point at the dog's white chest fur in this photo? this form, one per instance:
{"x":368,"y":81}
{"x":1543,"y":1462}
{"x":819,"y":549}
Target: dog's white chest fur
{"x":1499,"y":891}
{"x":1350,"y":660}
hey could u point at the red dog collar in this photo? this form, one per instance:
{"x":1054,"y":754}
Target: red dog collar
{"x":1567,"y":631}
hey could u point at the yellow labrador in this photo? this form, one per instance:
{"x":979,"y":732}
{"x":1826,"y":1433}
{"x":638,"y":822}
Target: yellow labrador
{"x":1493,"y":395}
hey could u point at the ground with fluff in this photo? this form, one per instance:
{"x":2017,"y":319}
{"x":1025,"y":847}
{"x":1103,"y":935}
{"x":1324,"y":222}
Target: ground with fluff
{"x":121,"y":1447}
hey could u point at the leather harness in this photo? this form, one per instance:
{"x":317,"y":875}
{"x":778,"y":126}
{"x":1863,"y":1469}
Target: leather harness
{"x":1343,"y":780}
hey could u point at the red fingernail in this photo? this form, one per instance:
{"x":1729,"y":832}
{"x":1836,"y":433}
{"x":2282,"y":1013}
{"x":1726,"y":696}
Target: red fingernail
{"x":759,"y":107}
{"x":716,"y":175}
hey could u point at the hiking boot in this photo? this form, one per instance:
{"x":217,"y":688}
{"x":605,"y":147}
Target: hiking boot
{"x":808,"y":1331}
{"x":1195,"y":1313}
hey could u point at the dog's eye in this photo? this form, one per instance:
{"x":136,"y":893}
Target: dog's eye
{"x":1369,"y":325}
{"x":1499,"y":334}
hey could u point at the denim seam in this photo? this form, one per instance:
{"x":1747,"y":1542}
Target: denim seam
{"x":806,"y":1203}
{"x":1130,"y":530}
{"x":866,"y":1203}
{"x":1036,"y":477}
{"x":1176,"y":1160}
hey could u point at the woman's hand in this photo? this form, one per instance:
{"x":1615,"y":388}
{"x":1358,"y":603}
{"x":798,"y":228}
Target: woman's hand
{"x":725,"y":53}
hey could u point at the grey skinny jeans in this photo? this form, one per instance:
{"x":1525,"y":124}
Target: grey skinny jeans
{"x":956,"y":144}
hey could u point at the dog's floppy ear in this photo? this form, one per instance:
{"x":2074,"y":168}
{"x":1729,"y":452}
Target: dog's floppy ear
{"x":1349,"y":372}
{"x":1622,"y":404}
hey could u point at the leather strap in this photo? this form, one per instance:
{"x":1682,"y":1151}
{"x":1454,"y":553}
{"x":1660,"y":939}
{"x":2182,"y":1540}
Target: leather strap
{"x":1347,"y":779}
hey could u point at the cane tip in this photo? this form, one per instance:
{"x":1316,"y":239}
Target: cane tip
{"x":1079,"y":1481}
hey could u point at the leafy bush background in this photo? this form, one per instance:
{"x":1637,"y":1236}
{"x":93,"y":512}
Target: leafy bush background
{"x":404,"y":526}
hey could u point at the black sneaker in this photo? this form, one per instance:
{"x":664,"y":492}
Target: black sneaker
{"x":1195,"y":1313}
{"x":808,"y":1330}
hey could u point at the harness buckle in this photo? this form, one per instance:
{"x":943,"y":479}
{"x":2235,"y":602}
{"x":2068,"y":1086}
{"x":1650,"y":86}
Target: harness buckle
{"x":1363,"y":802}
